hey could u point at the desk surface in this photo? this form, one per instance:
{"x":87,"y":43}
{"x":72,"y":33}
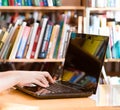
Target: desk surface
{"x":15,"y":98}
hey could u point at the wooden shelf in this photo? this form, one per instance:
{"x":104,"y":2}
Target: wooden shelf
{"x":103,"y":9}
{"x":33,"y":60}
{"x":35,"y":8}
{"x":112,"y":60}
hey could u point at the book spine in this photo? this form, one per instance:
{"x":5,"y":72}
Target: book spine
{"x":35,"y":42}
{"x":3,"y":40}
{"x":62,"y":41}
{"x":19,"y":2}
{"x":35,"y":26}
{"x":0,"y":2}
{"x":15,"y":1}
{"x":25,"y":2}
{"x":45,"y":2}
{"x":41,"y":3}
{"x":36,"y":2}
{"x":44,"y":48}
{"x":3,"y":50}
{"x":11,"y":2}
{"x":28,"y":42}
{"x":58,"y":41}
{"x":29,"y":2}
{"x":23,"y":42}
{"x":50,"y":2}
{"x":44,"y":24}
{"x":53,"y":40}
{"x":17,"y":41}
{"x":4,"y":2}
{"x":58,"y":2}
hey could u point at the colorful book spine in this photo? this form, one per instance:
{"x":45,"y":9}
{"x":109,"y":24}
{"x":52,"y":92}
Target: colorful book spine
{"x":53,"y":40}
{"x":17,"y":41}
{"x":44,"y":49}
{"x":45,"y":2}
{"x":4,"y":2}
{"x":15,"y":1}
{"x":36,"y":2}
{"x":23,"y":42}
{"x":41,"y":3}
{"x":35,"y":27}
{"x":23,"y":4}
{"x":0,"y":2}
{"x":62,"y":41}
{"x":44,"y":24}
{"x":9,"y":30}
{"x":2,"y":41}
{"x":35,"y":42}
{"x":19,"y":2}
{"x":50,"y":2}
{"x":58,"y":41}
{"x":58,"y":2}
{"x":29,"y":2}
{"x":11,"y":2}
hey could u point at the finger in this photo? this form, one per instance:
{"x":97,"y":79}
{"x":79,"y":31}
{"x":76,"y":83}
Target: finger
{"x":40,"y":83}
{"x":49,"y":77}
{"x":43,"y":80}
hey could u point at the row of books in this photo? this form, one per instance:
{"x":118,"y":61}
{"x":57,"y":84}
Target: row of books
{"x":103,"y":25}
{"x":30,"y":3}
{"x":43,"y":39}
{"x":103,"y":3}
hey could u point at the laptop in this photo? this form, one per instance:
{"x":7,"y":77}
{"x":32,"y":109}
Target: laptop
{"x":82,"y":67}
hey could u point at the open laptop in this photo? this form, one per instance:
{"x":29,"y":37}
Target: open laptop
{"x":82,"y":67}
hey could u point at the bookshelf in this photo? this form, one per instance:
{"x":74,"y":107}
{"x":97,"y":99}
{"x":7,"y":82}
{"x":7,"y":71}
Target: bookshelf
{"x":93,"y":11}
{"x":78,"y":6}
{"x":107,"y":11}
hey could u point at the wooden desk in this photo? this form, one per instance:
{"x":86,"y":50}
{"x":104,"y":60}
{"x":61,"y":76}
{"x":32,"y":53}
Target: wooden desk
{"x":17,"y":99}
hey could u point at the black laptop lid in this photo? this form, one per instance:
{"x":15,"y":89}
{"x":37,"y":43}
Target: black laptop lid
{"x":84,"y":59}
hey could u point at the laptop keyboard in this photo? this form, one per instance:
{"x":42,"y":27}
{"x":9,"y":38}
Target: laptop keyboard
{"x":60,"y":88}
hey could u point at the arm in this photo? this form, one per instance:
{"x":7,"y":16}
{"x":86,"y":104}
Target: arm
{"x":9,"y":79}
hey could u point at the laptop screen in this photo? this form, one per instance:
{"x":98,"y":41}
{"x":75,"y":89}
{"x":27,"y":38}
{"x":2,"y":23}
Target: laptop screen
{"x":84,"y":59}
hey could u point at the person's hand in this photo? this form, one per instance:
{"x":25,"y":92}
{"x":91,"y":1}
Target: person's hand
{"x":41,"y":78}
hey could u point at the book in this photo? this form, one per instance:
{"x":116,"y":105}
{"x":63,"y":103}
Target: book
{"x":43,"y":24}
{"x":29,"y":2}
{"x":28,"y":42}
{"x":17,"y":41}
{"x":58,"y":2}
{"x":23,"y":42}
{"x":66,"y":43}
{"x":2,"y":41}
{"x":36,"y":2}
{"x":45,"y":2}
{"x":12,"y":35}
{"x":2,"y":33}
{"x":50,"y":2}
{"x":34,"y":30}
{"x":19,"y":2}
{"x":62,"y":37}
{"x":3,"y":50}
{"x":35,"y":42}
{"x":44,"y":47}
{"x":11,"y":41}
{"x":62,"y":40}
{"x":4,"y":2}
{"x":58,"y":41}
{"x":41,"y":3}
{"x":11,"y":2}
{"x":53,"y":40}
